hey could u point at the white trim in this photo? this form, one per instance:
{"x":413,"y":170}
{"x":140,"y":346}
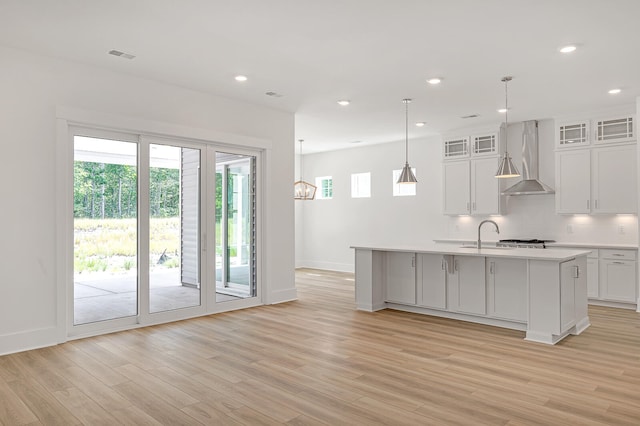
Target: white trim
{"x":155,"y":128}
{"x":328,"y":266}
{"x":142,"y":132}
{"x":281,"y":296}
{"x":30,"y":339}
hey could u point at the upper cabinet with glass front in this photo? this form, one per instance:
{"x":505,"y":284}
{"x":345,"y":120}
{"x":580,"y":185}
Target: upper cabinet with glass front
{"x":484,"y":144}
{"x":479,"y":144}
{"x":615,"y":128}
{"x":572,"y":133}
{"x":455,"y":148}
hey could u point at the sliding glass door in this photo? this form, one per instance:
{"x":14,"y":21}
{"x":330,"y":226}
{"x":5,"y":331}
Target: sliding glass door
{"x":235,"y":226}
{"x":144,"y":211}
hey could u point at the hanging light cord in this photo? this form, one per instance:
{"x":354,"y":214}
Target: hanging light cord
{"x":406,"y":129}
{"x":506,"y":110}
{"x":301,"y":174}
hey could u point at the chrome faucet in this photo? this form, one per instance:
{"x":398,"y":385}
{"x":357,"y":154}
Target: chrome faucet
{"x":480,"y":226}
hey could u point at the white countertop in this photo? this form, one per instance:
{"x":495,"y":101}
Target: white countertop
{"x":556,"y":244}
{"x":555,"y":254}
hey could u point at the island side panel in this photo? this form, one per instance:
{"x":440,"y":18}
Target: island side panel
{"x":581,"y":297}
{"x":544,"y":301}
{"x":369,"y":280}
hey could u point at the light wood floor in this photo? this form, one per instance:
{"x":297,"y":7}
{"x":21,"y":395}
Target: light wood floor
{"x":319,"y":361}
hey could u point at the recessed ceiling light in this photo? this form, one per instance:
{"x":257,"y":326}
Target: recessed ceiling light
{"x":344,"y":102}
{"x":420,"y":123}
{"x":502,"y":110}
{"x":241,"y":78}
{"x":434,"y":80}
{"x":121,"y":54}
{"x":568,"y":49}
{"x":614,"y":91}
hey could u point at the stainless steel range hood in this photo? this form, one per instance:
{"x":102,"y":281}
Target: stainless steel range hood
{"x":529,"y":185}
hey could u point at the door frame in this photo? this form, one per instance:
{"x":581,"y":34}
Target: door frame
{"x":68,"y":118}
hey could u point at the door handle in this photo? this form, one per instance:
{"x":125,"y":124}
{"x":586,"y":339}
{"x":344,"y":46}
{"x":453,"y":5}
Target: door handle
{"x":474,"y":206}
{"x":413,"y":261}
{"x":455,"y":265}
{"x":491,"y":267}
{"x":596,"y":204}
{"x":576,"y":272}
{"x":467,"y":206}
{"x":588,"y":204}
{"x":618,"y":263}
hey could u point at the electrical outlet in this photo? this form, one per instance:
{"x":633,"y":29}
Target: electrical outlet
{"x":620,"y":229}
{"x":569,"y":229}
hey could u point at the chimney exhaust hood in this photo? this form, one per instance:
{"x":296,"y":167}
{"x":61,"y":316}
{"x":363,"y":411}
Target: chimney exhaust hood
{"x":529,"y":185}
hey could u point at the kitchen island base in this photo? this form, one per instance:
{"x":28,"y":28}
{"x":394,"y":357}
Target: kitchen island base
{"x":542,"y":294}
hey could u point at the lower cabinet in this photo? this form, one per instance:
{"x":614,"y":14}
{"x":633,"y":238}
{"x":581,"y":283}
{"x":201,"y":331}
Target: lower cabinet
{"x":400,"y":277}
{"x":618,"y":280}
{"x":432,"y":281}
{"x":507,"y":288}
{"x":466,"y":284}
{"x":593,"y":280}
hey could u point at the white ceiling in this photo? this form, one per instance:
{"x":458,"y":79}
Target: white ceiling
{"x":373,"y":52}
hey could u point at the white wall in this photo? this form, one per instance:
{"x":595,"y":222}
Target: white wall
{"x":331,"y":226}
{"x":32,"y":87}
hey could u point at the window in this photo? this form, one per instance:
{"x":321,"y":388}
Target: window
{"x":325,"y":188}
{"x":361,"y":185}
{"x":404,"y":189}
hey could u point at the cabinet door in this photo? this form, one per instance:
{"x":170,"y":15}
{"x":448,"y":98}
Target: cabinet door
{"x":614,"y":180}
{"x":456,"y":187}
{"x":432,"y":281}
{"x":484,"y":144}
{"x":616,"y":129}
{"x":507,"y":279}
{"x":618,"y":280}
{"x":485,"y":188}
{"x":400,"y":278}
{"x":468,"y":285}
{"x":568,"y":275}
{"x":572,"y":133}
{"x":592,"y":279}
{"x":573,"y":181}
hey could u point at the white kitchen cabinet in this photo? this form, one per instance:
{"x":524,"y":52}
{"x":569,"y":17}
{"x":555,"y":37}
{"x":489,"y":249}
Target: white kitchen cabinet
{"x":619,"y":128}
{"x":457,"y":189}
{"x":470,"y":187}
{"x":466,"y":284}
{"x":618,"y":281}
{"x":573,"y":181}
{"x":507,"y":288}
{"x":601,"y":180}
{"x":455,"y":148}
{"x":593,"y":279}
{"x":614,"y":185}
{"x":432,"y":281}
{"x":400,"y":277}
{"x":484,"y":144}
{"x":485,"y":187}
{"x":572,"y":133}
{"x":569,"y":274}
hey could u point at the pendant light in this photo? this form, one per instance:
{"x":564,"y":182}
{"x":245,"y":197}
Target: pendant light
{"x":303,"y":190}
{"x":506,"y":169}
{"x":407,"y":175}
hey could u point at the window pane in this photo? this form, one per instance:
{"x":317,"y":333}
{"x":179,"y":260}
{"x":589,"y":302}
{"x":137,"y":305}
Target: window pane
{"x":174,"y":227}
{"x":404,"y":189}
{"x":325,"y":187}
{"x":361,"y":185}
{"x":105,"y":200}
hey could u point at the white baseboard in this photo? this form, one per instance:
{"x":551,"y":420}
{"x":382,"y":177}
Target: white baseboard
{"x":328,"y":266}
{"x":27,"y":340}
{"x":281,"y":296}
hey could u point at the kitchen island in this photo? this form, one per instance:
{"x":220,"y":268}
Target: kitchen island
{"x":541,"y":292}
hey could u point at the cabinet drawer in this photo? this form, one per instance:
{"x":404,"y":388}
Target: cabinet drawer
{"x":618,"y":254}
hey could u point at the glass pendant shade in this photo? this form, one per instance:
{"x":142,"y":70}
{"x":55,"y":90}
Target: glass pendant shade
{"x":507,"y":169}
{"x":407,"y":175}
{"x":304,"y":190}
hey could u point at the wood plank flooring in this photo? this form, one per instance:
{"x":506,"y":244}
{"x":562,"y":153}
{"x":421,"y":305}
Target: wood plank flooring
{"x":318,"y":361}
